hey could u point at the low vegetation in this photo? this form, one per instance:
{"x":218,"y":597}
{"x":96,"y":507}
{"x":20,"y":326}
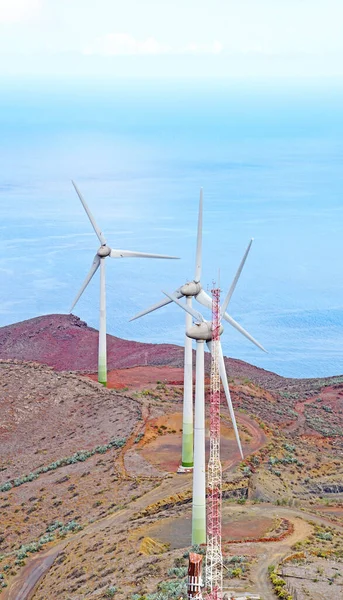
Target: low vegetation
{"x":279,"y":584}
{"x":80,"y":456}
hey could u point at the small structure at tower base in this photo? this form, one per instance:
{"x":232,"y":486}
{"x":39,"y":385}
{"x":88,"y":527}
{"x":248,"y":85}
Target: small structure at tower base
{"x":181,"y":470}
{"x":194,"y":577}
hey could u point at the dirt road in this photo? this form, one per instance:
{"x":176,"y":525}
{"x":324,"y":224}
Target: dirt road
{"x":276,"y":551}
{"x":22,"y":588}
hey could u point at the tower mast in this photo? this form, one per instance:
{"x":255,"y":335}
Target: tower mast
{"x":214,"y":560}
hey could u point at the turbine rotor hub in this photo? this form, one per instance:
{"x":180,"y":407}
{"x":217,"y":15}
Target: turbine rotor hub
{"x":191,"y":289}
{"x":104,"y":251}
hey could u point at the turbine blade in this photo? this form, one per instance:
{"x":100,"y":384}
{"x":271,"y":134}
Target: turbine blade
{"x":90,"y":216}
{"x":223,"y":377}
{"x":93,"y":269}
{"x":204,"y":299}
{"x":234,"y":283}
{"x":241,"y":329}
{"x":186,"y":308}
{"x":156,"y":306}
{"x":198,"y":259}
{"x":133,"y":254}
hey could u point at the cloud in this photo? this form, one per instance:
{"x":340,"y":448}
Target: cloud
{"x":12,"y":11}
{"x":214,"y":48}
{"x":124,"y":44}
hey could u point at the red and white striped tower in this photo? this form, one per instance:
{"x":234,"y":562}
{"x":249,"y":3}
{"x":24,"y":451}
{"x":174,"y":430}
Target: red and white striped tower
{"x":214,"y":560}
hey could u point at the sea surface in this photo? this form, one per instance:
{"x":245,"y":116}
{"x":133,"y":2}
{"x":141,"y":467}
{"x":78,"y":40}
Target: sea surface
{"x":269,"y":157}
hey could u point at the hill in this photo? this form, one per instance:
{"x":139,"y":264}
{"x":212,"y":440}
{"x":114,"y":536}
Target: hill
{"x":66,"y":343}
{"x":60,"y":341}
{"x":88,"y":479}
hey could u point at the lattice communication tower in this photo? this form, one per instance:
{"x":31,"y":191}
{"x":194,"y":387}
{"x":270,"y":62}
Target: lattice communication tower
{"x":214,"y":559}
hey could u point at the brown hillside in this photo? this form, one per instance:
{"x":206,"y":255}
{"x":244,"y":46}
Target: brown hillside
{"x":71,"y":498}
{"x":45,"y":415}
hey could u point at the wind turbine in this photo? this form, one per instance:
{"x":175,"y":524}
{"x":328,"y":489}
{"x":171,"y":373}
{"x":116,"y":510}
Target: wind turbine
{"x":189,"y":290}
{"x":202,"y":331}
{"x":99,"y":261}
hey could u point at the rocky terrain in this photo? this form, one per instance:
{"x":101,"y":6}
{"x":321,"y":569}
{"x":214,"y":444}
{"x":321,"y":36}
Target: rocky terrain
{"x":91,"y":505}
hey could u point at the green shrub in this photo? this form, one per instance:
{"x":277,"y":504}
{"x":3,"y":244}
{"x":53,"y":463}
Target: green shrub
{"x":324,"y":535}
{"x":234,"y":559}
{"x":5,"y":487}
{"x":110,"y":592}
{"x":178,"y":572}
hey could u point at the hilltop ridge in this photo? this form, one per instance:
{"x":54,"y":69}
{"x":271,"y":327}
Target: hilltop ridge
{"x":61,"y":341}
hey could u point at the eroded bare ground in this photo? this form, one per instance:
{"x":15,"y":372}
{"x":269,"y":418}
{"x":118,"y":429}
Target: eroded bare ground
{"x":110,"y":512}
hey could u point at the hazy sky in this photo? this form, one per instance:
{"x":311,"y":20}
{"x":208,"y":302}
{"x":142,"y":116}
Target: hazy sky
{"x":171,"y":37}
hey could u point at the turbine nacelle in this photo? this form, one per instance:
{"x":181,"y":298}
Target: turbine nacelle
{"x":191,"y":289}
{"x":202,"y":331}
{"x":104,"y":251}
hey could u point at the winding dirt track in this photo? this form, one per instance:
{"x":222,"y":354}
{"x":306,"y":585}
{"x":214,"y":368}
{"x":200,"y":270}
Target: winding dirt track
{"x":130,"y":442}
{"x":300,"y":422}
{"x":276,"y":551}
{"x":258,"y":440}
{"x":22,"y":588}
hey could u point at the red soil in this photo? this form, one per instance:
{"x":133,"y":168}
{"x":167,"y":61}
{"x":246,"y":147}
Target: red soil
{"x":278,"y":537}
{"x":244,"y":527}
{"x":141,"y":377}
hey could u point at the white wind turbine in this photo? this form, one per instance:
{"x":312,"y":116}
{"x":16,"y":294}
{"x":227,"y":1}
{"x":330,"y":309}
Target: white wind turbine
{"x":190,"y":290}
{"x":99,"y":261}
{"x":202,"y":332}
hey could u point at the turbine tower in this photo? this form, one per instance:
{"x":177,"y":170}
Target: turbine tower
{"x":189,"y":290}
{"x":202,"y":332}
{"x":99,"y":261}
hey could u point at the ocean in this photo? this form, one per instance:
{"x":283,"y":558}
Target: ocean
{"x":268,"y":156}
